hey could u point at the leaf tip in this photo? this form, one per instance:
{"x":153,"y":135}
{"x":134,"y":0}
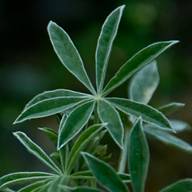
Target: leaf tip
{"x":16,"y":134}
{"x":17,"y":121}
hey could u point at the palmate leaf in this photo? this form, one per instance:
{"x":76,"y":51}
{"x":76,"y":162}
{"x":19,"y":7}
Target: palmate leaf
{"x":144,"y":83}
{"x":36,"y":151}
{"x":108,"y":114}
{"x":168,"y":138}
{"x":148,"y":113}
{"x":105,"y":43}
{"x":48,"y":107}
{"x":73,"y":124}
{"x":68,"y":54}
{"x":184,"y":185}
{"x":82,"y":140}
{"x":138,"y":157}
{"x":139,"y":60}
{"x":105,"y":174}
{"x":21,"y":177}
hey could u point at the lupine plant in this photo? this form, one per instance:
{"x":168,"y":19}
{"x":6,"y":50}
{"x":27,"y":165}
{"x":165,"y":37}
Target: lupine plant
{"x":81,"y":161}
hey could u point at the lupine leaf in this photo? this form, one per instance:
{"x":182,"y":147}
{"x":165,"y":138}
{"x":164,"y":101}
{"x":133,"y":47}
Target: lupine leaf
{"x":83,"y":139}
{"x":184,"y":185}
{"x":108,"y":114}
{"x":71,"y":126}
{"x":36,"y":150}
{"x":138,"y":157}
{"x":7,"y":190}
{"x":144,"y":83}
{"x":68,"y":54}
{"x":148,"y":113}
{"x":171,"y":108}
{"x":20,"y":177}
{"x":33,"y":186}
{"x":56,"y":93}
{"x":168,"y":139}
{"x":56,"y":183}
{"x":105,"y":174}
{"x":47,"y":107}
{"x":84,"y":189}
{"x":105,"y":43}
{"x":51,"y":134}
{"x":179,"y":125}
{"x":139,"y":60}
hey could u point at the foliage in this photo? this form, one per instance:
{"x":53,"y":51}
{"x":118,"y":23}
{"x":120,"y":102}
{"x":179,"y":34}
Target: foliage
{"x":84,"y":119}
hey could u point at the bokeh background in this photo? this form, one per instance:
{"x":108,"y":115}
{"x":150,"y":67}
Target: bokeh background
{"x":29,"y":66}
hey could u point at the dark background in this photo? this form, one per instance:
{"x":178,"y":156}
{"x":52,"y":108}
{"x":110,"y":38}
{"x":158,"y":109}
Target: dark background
{"x":29,"y":66}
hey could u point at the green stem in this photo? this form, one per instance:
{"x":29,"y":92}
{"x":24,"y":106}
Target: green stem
{"x":124,"y":154}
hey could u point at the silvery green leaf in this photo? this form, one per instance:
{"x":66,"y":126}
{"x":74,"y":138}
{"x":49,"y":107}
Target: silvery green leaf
{"x":108,"y":114}
{"x":84,"y":189}
{"x":105,"y":174}
{"x":168,"y":138}
{"x":47,"y":107}
{"x":20,"y":177}
{"x":33,"y":186}
{"x":51,"y":134}
{"x":138,"y":157}
{"x":105,"y":43}
{"x":144,"y":83}
{"x":56,"y":93}
{"x":171,"y":107}
{"x":56,"y":183}
{"x":36,"y":150}
{"x":139,"y":60}
{"x":179,"y":125}
{"x":73,"y":124}
{"x":68,"y":54}
{"x":86,"y":136}
{"x":148,"y":113}
{"x":184,"y":185}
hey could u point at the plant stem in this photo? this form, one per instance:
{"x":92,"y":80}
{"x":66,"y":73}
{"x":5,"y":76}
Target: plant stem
{"x":124,"y":154}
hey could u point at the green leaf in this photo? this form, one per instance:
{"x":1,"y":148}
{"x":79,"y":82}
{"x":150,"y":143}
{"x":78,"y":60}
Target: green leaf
{"x":171,"y":108}
{"x":56,"y":183}
{"x":86,"y":136}
{"x":105,"y":174}
{"x":108,"y":114}
{"x":179,"y":125}
{"x":144,"y":83}
{"x":68,"y":54}
{"x":73,"y":124}
{"x":20,"y":177}
{"x":84,"y":189}
{"x":148,"y":113}
{"x":54,"y":94}
{"x":48,"y":107}
{"x":36,"y":150}
{"x":33,"y":186}
{"x":139,"y":60}
{"x":167,"y":138}
{"x":7,"y":190}
{"x":105,"y":43}
{"x":138,"y":157}
{"x":184,"y":185}
{"x":125,"y":177}
{"x":51,"y":134}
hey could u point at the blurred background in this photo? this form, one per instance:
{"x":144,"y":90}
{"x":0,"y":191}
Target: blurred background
{"x":29,"y":66}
